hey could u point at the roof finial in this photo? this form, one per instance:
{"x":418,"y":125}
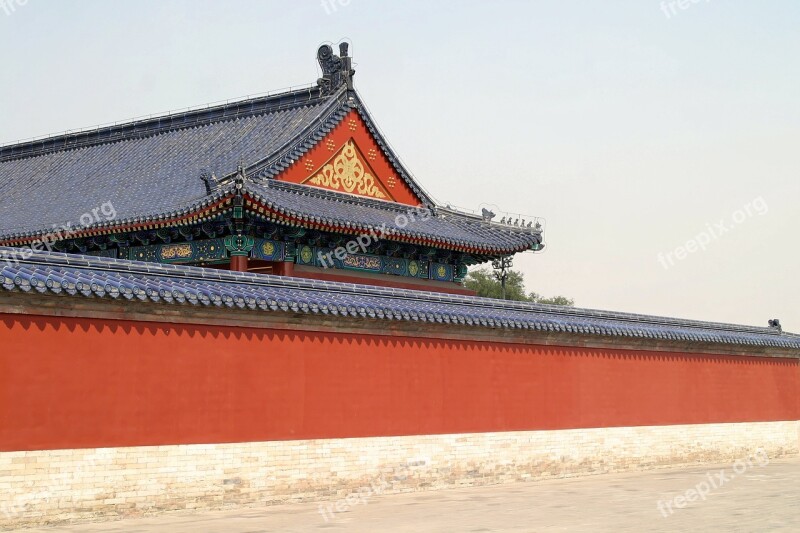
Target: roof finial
{"x":210,"y":179}
{"x":241,"y":175}
{"x":336,"y":70}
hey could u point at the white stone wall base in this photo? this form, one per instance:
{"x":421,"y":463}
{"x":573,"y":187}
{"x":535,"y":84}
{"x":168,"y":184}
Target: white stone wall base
{"x":46,"y":487}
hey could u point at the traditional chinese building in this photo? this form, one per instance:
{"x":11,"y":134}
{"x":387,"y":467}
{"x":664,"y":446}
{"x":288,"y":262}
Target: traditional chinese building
{"x":299,"y":183}
{"x":147,"y":363}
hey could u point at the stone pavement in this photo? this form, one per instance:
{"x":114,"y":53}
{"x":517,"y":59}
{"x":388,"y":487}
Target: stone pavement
{"x":735,"y":497}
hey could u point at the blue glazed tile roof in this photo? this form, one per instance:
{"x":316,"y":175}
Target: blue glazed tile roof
{"x":150,"y":172}
{"x":81,"y":276}
{"x":146,"y":169}
{"x":317,"y":206}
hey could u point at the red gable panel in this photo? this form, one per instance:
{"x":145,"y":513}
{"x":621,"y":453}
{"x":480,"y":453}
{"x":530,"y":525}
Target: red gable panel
{"x":349,"y":160}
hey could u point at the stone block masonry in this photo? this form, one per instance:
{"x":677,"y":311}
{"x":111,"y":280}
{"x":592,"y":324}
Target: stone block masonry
{"x":57,"y":486}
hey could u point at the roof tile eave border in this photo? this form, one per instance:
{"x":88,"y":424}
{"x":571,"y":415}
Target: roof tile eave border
{"x":200,"y":208}
{"x":228,"y":289}
{"x":266,"y":204}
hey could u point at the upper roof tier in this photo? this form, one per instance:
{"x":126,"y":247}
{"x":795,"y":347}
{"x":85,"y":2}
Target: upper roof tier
{"x":308,"y":157}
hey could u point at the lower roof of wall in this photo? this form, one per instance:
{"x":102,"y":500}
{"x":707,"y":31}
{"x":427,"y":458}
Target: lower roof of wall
{"x":192,"y":291}
{"x":35,"y":304}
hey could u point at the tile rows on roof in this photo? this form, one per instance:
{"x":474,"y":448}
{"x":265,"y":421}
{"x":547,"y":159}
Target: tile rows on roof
{"x":145,"y":177}
{"x":151,"y":171}
{"x":170,"y":284}
{"x":318,"y":206}
{"x":162,"y":124}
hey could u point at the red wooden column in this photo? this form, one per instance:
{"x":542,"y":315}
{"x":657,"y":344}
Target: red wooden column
{"x":284,"y":268}
{"x":239,"y":263}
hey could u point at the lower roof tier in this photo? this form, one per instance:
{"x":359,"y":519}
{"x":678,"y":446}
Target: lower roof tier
{"x":299,"y":206}
{"x":90,"y":277}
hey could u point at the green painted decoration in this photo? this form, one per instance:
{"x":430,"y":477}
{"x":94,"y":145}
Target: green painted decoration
{"x":267,"y":250}
{"x":185,"y":252}
{"x":239,"y":245}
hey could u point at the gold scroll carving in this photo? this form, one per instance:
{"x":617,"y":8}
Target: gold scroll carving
{"x":347,"y":173}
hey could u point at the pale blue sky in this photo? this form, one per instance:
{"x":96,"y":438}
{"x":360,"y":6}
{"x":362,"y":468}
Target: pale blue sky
{"x":628,"y":130}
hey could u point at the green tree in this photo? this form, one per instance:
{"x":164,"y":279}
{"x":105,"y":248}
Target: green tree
{"x":555,"y":300}
{"x":483,"y":282}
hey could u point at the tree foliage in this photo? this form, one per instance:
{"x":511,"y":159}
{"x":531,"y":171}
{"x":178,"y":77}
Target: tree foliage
{"x":555,"y":300}
{"x":483,"y":282}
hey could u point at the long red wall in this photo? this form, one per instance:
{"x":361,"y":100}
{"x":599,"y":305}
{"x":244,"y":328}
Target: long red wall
{"x":74,"y":383}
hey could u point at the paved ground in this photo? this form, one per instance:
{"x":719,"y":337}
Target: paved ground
{"x":757,"y":498}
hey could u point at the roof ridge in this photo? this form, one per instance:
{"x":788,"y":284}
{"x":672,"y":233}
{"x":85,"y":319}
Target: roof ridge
{"x":391,"y":154}
{"x":291,"y":150}
{"x":163,"y":123}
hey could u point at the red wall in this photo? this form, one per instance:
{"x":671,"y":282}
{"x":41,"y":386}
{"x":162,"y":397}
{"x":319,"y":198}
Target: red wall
{"x":72,"y":383}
